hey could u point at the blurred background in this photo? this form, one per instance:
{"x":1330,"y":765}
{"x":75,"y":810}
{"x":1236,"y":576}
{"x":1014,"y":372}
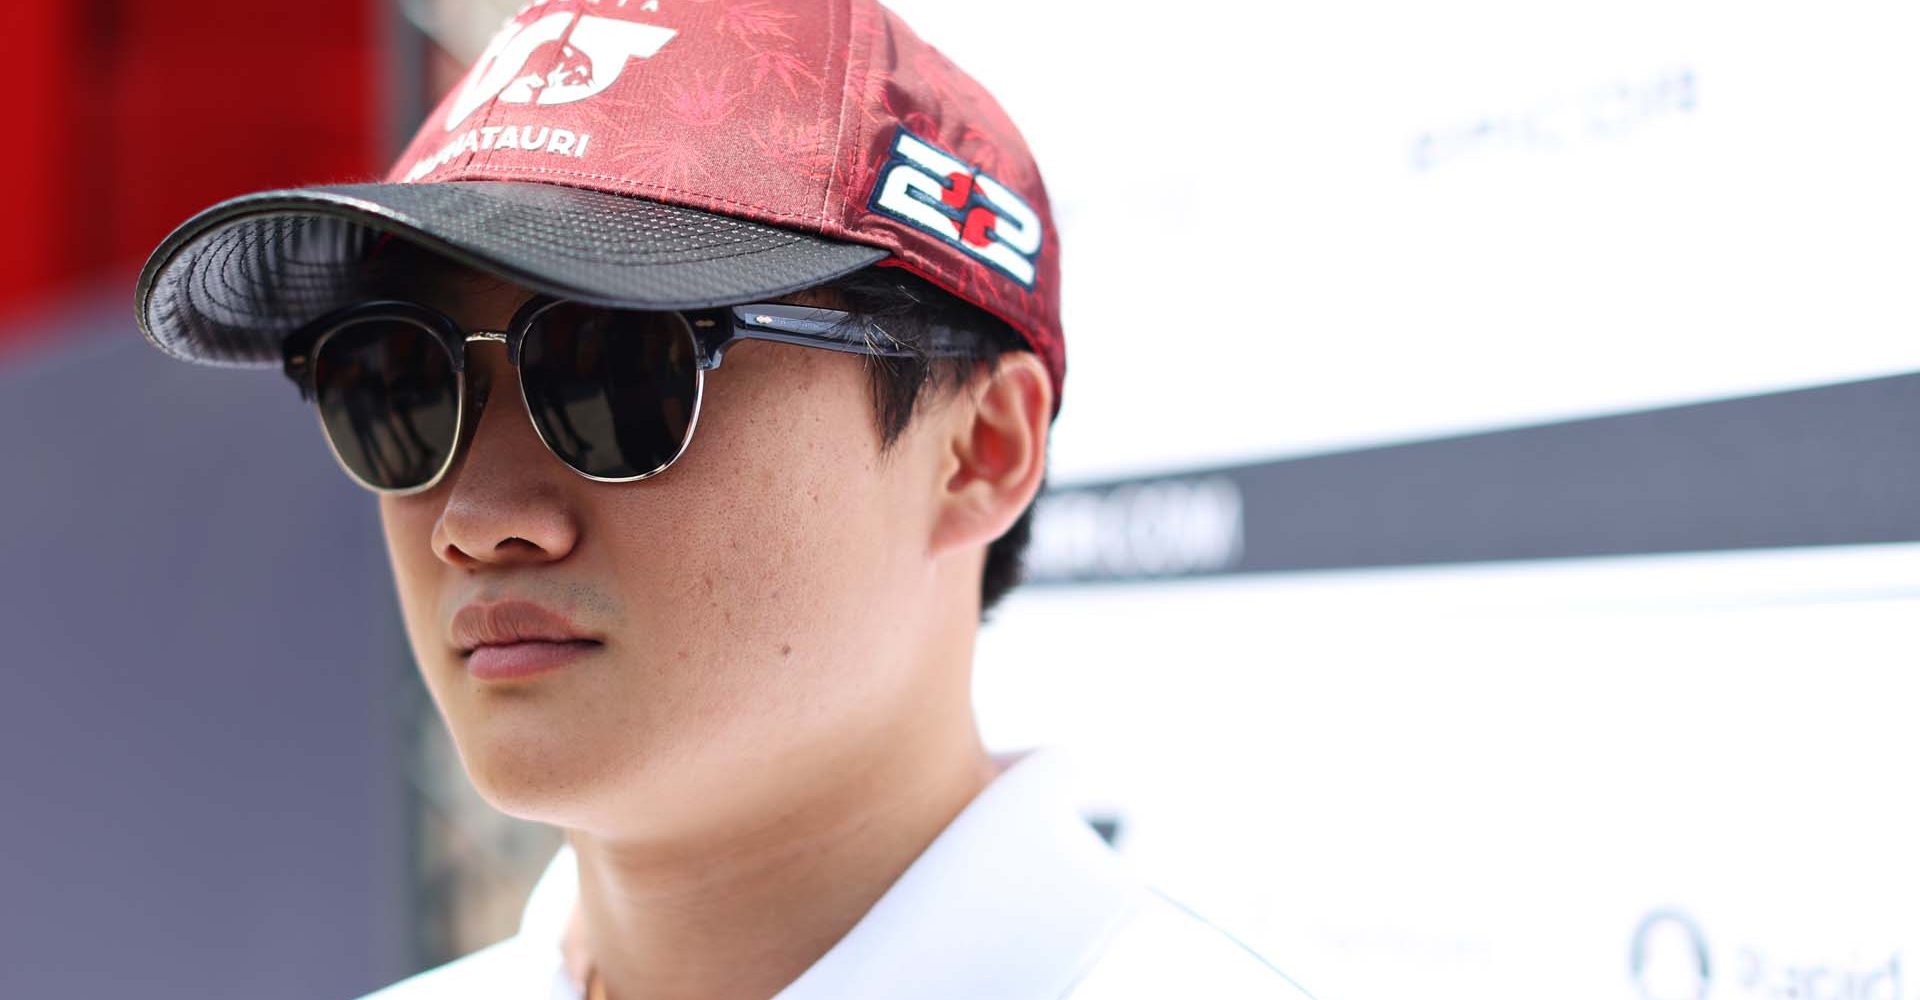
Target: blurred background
{"x":1510,"y":590}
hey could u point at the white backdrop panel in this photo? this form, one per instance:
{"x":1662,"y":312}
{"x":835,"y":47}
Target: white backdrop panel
{"x":1478,"y":782}
{"x":1293,"y":227}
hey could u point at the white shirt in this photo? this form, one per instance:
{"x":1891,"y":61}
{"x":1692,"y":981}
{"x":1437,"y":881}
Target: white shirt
{"x":1017,"y":899}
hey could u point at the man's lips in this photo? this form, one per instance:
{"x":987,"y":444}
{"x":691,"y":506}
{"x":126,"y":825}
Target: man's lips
{"x":505,"y":623}
{"x":524,"y":659}
{"x":500,"y":640}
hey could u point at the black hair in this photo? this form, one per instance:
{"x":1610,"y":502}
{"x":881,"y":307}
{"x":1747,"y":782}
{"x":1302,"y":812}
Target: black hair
{"x":910,"y":309}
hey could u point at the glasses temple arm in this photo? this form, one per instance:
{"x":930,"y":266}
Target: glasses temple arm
{"x":832,"y":329}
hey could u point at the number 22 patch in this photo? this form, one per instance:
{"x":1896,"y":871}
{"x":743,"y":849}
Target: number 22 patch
{"x":931,"y":189}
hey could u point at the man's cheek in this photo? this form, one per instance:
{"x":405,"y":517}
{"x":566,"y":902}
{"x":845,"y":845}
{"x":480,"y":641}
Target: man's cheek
{"x":414,"y":567}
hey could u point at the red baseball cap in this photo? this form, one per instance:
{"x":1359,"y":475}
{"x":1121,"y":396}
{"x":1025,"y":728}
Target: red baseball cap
{"x":667,"y":154}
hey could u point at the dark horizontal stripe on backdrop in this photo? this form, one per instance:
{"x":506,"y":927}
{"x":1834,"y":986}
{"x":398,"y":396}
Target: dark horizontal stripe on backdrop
{"x":1834,"y":465}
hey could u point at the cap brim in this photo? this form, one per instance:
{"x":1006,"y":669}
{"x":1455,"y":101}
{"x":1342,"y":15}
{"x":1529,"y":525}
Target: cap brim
{"x":229,"y":285}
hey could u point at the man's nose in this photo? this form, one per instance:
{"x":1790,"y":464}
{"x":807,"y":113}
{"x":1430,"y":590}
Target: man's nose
{"x":508,"y":500}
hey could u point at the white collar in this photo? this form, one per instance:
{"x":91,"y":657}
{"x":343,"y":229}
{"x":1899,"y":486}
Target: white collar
{"x":1013,"y":900}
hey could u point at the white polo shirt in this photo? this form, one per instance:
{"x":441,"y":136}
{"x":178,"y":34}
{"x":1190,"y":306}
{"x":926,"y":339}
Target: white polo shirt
{"x":1017,"y":899}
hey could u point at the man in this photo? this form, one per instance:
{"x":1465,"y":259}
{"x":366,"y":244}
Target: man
{"x":734,"y":665}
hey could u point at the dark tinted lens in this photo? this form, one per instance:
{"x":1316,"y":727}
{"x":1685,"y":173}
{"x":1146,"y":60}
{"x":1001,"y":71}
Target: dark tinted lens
{"x":612,"y":392}
{"x":389,"y":401}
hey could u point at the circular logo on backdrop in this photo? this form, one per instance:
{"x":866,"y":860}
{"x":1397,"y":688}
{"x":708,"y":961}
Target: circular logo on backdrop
{"x":1669,"y":958}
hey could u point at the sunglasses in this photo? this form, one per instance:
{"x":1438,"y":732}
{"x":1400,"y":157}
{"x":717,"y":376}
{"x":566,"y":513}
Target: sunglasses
{"x":613,"y":393}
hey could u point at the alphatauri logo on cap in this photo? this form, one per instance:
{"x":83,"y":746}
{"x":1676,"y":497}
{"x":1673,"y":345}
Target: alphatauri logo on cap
{"x":557,"y":59}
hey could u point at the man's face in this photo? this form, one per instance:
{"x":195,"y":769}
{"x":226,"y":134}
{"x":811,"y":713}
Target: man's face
{"x":754,"y":605}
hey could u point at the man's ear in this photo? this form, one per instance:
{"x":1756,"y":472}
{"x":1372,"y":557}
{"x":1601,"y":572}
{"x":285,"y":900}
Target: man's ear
{"x":995,"y":452}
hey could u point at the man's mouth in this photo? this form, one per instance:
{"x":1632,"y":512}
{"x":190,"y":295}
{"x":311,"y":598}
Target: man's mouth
{"x":516,"y":660}
{"x":504,"y":640}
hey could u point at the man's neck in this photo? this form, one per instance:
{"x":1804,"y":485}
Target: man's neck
{"x":739,"y":917}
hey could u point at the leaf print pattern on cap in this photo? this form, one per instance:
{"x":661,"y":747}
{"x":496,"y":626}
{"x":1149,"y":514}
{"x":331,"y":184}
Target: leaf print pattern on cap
{"x":698,"y":101}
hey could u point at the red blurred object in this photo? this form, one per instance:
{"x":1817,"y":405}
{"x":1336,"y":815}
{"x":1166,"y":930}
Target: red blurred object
{"x":127,"y":116}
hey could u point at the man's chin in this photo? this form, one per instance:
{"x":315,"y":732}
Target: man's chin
{"x":548,"y":775}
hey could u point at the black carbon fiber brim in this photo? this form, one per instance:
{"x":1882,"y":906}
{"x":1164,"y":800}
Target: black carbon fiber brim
{"x":228,"y":286}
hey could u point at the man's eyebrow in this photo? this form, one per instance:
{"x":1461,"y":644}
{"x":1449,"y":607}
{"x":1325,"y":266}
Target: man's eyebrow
{"x":440,"y":280}
{"x":449,"y":276}
{"x":399,"y":261}
{"x":472,"y":279}
{"x":819,"y":297}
